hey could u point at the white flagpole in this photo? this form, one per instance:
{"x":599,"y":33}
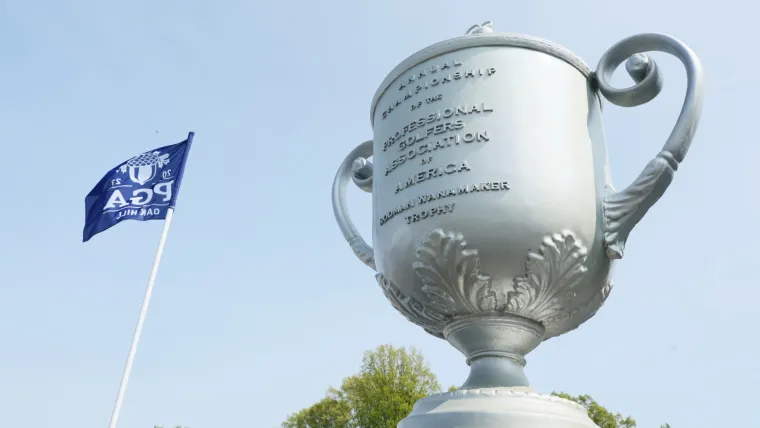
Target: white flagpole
{"x":140,"y":321}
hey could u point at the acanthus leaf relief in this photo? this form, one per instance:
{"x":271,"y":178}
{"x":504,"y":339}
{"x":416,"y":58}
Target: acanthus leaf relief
{"x":454,"y":285}
{"x":451,"y":276}
{"x":551,"y":274}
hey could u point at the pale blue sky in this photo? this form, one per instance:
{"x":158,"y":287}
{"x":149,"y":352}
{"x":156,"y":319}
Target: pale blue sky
{"x":260,"y":305}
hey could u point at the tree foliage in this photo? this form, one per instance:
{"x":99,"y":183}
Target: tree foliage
{"x":600,"y":415}
{"x":330,"y":412}
{"x":390,"y":381}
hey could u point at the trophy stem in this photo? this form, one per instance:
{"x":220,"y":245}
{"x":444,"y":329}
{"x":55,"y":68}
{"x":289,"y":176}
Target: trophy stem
{"x":495,"y":346}
{"x":492,"y":372}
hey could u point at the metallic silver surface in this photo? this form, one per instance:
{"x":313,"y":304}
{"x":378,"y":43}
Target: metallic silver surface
{"x":346,"y":171}
{"x":496,"y":408}
{"x":496,"y":225}
{"x":476,"y":36}
{"x":625,"y":209}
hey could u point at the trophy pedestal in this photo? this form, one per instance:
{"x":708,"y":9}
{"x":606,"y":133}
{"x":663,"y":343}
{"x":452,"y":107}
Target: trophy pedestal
{"x":496,"y":408}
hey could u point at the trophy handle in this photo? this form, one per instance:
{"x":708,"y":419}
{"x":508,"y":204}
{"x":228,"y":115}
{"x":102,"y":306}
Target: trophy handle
{"x":623,"y":210}
{"x":357,"y":167}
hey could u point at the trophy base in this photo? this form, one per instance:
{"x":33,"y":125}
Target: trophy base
{"x":496,"y":408}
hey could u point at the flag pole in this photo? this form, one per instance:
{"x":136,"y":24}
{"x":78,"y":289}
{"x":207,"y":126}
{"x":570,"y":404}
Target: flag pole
{"x":144,"y":308}
{"x":141,"y":320}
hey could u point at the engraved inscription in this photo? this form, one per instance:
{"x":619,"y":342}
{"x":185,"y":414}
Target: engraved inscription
{"x":397,"y":210}
{"x":432,"y":212}
{"x":412,"y":79}
{"x":420,"y":141}
{"x":463,"y":190}
{"x":403,"y":138}
{"x":433,"y":146}
{"x":445,"y":193}
{"x":428,"y":100}
{"x":420,"y":82}
{"x":433,"y":99}
{"x":432,"y":173}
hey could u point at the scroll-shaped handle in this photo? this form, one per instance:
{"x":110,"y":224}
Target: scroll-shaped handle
{"x":623,"y":210}
{"x":357,"y":167}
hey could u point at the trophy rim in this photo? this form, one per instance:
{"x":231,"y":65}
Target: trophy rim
{"x":473,"y":41}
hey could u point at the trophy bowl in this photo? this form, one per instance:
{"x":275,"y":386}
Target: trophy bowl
{"x":495,"y":222}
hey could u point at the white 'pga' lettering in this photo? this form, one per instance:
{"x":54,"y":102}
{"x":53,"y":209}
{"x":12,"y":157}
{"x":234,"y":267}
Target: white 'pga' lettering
{"x":141,"y":170}
{"x":141,"y":197}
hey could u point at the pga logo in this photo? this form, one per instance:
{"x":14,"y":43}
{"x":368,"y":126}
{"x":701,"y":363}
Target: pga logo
{"x":140,"y":170}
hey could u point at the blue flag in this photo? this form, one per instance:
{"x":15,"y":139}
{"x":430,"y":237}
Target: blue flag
{"x":142,"y":188}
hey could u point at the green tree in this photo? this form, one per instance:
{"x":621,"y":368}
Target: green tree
{"x":390,"y":381}
{"x":333,"y":411}
{"x":600,"y":415}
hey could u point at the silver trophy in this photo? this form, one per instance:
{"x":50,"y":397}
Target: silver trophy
{"x":496,"y":224}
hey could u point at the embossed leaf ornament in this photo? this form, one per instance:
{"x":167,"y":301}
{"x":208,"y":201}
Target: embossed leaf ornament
{"x":411,"y":309}
{"x":551,"y":274}
{"x":451,"y":277}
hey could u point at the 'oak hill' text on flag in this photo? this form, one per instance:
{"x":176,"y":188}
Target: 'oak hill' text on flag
{"x":142,"y":188}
